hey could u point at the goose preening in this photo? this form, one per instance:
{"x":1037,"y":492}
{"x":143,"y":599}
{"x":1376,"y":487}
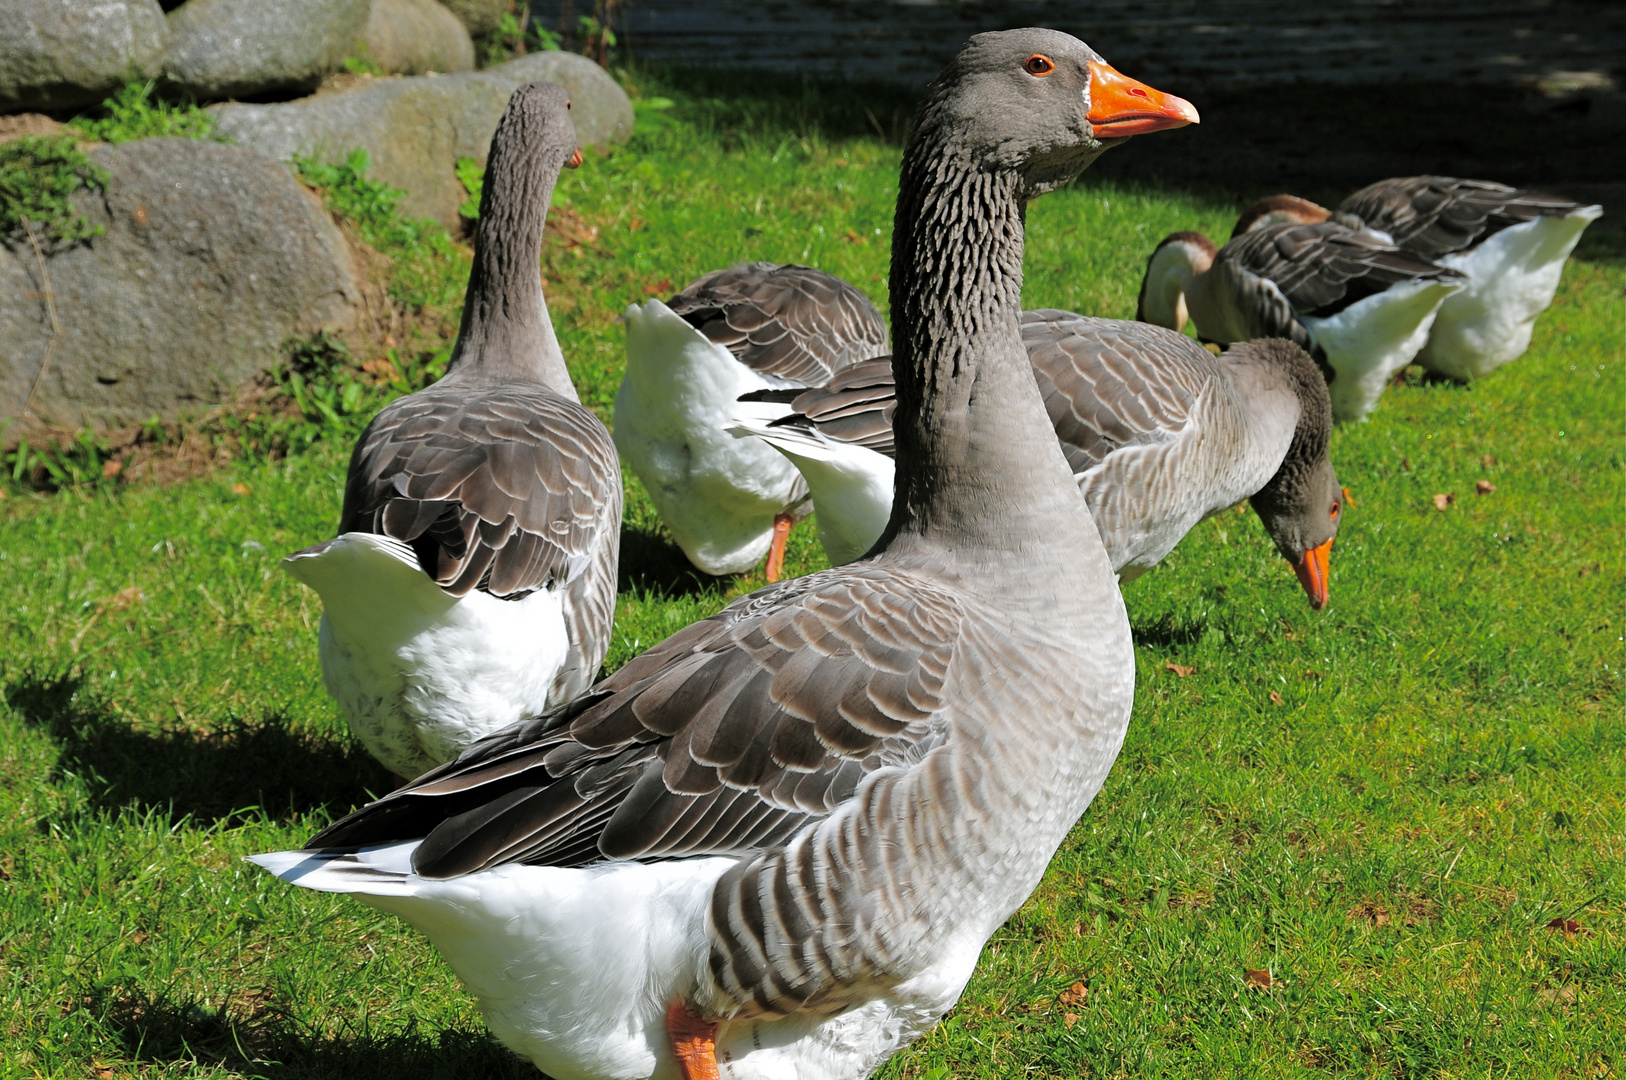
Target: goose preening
{"x":472,"y":582}
{"x":1511,"y":246}
{"x":1159,"y":433}
{"x":749,"y":327}
{"x":777,"y":841}
{"x":1346,"y":295}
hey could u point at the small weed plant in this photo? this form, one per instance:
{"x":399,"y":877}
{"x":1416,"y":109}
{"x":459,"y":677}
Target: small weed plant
{"x":39,"y":175}
{"x":135,"y":113}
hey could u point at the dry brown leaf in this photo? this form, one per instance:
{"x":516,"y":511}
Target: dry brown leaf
{"x":1558,"y":995}
{"x":1487,"y":460}
{"x":1588,"y":570}
{"x":1074,"y":995}
{"x":240,"y":488}
{"x":1312,"y":673}
{"x":1179,"y":669}
{"x":1257,"y":977}
{"x":1405,"y":464}
{"x":1069,"y":1019}
{"x":125,"y":598}
{"x":111,"y":468}
{"x":1444,"y":500}
{"x":1570,"y":927}
{"x":661,"y":286}
{"x":1370,"y":911}
{"x":1484,"y":487}
{"x":853,"y":237}
{"x":1275,"y":698}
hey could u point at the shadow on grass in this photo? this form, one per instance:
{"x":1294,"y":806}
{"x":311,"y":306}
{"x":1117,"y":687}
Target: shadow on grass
{"x":253,"y":1038}
{"x":210,"y":776}
{"x":1166,"y":630}
{"x":661,"y":566}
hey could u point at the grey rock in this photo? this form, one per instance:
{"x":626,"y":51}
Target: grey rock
{"x":57,"y":54}
{"x":480,"y":16}
{"x":415,"y":129}
{"x":213,"y":257}
{"x":601,"y":110}
{"x":410,"y":37}
{"x":242,"y":48}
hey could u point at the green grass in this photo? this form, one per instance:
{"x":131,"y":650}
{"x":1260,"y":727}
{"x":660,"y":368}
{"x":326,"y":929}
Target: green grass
{"x":1440,"y":778}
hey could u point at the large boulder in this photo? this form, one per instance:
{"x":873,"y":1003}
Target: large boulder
{"x":411,"y":37}
{"x":212,"y":259}
{"x":415,"y":129}
{"x":58,"y":54}
{"x":480,"y":16}
{"x":245,"y":48}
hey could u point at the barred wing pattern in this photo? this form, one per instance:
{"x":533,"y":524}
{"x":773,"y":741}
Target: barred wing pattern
{"x":855,"y":406}
{"x":791,"y":323}
{"x":1431,"y":216}
{"x":727,"y":737}
{"x":1281,"y":272}
{"x":509,"y":490}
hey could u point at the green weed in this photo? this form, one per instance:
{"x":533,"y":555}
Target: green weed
{"x":39,"y":175}
{"x":134,"y":113}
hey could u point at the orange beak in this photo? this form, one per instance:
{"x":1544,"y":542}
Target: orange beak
{"x":1120,"y":106}
{"x":575,"y":160}
{"x":1312,"y":572}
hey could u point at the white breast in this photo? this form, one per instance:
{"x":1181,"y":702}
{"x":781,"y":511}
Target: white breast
{"x":421,"y":674}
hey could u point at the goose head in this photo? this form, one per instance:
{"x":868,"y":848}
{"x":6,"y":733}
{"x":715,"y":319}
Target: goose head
{"x":1042,"y":104}
{"x":1171,"y":273}
{"x":1302,"y":504}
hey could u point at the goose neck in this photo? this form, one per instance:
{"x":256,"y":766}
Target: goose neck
{"x":506,"y":332}
{"x":977,"y":462}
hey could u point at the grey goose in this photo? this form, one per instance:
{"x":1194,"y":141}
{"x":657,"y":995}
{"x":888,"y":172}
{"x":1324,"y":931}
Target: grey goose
{"x":756,"y":325}
{"x":1351,"y":298}
{"x":472,"y":582}
{"x":1510,"y":245}
{"x":1159,"y":433}
{"x":778,"y":840}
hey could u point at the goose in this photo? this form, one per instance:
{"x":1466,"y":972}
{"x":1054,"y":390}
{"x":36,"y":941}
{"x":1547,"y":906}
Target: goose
{"x":472,"y":581}
{"x":749,"y":327}
{"x":1510,"y":244}
{"x":1159,"y":433}
{"x":1346,"y":295}
{"x":775,"y":844}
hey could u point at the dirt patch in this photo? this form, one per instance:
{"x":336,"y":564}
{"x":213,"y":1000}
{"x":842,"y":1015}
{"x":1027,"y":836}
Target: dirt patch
{"x":21,"y":124}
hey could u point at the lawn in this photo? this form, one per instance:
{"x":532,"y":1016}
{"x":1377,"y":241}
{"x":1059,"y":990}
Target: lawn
{"x":1381,"y":840}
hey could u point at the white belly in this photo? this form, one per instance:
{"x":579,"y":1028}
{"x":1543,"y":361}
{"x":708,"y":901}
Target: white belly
{"x":1511,"y":279}
{"x":574,"y":968}
{"x":419,"y":674}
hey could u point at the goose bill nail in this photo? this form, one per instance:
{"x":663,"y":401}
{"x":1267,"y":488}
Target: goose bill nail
{"x":1120,"y":106}
{"x":1312,"y":572}
{"x":575,"y":160}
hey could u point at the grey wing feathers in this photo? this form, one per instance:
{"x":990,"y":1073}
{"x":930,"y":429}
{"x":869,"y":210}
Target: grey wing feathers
{"x":1431,"y":216}
{"x":792,"y":323}
{"x":508,"y":490}
{"x":1108,"y":384}
{"x":855,"y":406}
{"x":727,"y":737}
{"x":1319,"y":269}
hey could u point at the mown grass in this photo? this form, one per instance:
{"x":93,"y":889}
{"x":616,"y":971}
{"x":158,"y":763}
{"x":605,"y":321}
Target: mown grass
{"x":1382,"y":805}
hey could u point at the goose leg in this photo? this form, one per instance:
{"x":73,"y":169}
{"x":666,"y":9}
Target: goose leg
{"x":694,"y":1041}
{"x":776,"y":550}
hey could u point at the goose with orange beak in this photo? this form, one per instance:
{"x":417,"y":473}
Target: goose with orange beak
{"x":775,"y":845}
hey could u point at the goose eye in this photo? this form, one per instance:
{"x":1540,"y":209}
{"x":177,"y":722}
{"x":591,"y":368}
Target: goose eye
{"x":1334,"y":512}
{"x":1038,"y":64}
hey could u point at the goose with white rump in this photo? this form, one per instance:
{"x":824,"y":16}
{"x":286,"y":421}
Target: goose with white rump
{"x":776,"y":843}
{"x":472,"y":582}
{"x":749,"y":327}
{"x":1159,"y":433}
{"x":1349,"y":297}
{"x":1510,"y":244}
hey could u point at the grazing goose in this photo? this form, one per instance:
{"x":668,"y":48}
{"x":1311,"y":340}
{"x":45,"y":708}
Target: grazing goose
{"x":472,"y":582}
{"x":751,"y":326}
{"x":777,"y":841}
{"x":1159,"y":434}
{"x":1510,"y":244}
{"x":1348,"y":296}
